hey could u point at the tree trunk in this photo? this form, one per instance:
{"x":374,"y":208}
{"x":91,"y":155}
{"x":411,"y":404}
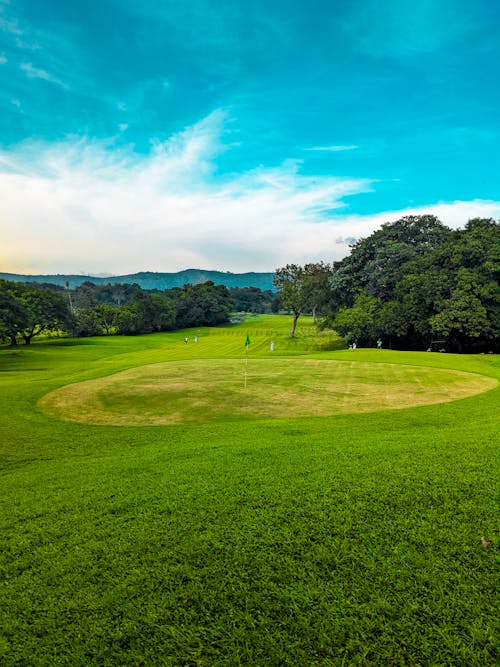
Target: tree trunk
{"x":294,"y":324}
{"x":314,"y":313}
{"x":13,"y":340}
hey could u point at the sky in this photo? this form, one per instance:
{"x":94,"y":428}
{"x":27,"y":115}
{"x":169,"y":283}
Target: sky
{"x":238,"y":135}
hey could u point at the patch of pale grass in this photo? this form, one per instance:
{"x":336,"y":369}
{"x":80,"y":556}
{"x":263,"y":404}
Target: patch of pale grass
{"x":205,"y":391}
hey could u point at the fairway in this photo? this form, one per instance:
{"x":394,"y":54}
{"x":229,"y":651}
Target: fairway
{"x":153,"y":511}
{"x":215,"y":390}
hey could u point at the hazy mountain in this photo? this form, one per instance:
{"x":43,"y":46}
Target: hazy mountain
{"x":151,"y":280}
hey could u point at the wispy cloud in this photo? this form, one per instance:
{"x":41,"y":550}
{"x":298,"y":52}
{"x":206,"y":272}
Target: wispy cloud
{"x":79,"y":203}
{"x":38,"y":73}
{"x":87,"y":205}
{"x":333,"y":149}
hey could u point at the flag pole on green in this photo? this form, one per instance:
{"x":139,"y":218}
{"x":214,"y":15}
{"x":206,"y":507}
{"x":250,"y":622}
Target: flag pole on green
{"x":247,"y":343}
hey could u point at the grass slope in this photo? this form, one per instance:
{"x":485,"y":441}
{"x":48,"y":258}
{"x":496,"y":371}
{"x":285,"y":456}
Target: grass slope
{"x":351,"y":539}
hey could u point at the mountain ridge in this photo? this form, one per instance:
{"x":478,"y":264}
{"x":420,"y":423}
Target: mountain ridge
{"x":153,"y":279}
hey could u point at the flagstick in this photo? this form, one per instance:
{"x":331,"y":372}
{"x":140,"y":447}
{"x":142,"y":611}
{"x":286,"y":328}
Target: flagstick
{"x":246,"y":365}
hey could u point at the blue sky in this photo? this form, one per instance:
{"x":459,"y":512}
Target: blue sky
{"x":163,"y":135}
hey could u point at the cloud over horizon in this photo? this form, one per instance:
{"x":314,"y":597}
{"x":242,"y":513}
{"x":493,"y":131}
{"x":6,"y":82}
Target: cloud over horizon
{"x":95,"y":208}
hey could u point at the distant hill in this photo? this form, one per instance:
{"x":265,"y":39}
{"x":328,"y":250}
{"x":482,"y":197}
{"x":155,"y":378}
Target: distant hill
{"x":151,"y":280}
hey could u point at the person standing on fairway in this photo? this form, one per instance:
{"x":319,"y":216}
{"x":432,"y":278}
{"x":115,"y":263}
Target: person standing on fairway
{"x":379,"y":344}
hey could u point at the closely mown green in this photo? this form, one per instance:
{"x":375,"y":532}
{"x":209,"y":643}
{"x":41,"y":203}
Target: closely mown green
{"x":348,"y":540}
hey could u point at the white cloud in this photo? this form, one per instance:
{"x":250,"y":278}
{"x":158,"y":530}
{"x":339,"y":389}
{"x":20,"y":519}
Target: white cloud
{"x":83,"y":205}
{"x":333,"y":149}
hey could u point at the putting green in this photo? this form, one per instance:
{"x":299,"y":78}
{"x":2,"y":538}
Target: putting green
{"x":213,"y":390}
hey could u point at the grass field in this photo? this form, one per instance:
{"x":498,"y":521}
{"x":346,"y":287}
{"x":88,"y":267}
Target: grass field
{"x":156,"y":512}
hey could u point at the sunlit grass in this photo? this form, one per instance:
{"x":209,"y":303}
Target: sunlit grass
{"x":325,"y":540}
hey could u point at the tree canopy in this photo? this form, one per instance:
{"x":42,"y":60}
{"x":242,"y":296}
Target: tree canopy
{"x":302,"y":288}
{"x":415,"y":280}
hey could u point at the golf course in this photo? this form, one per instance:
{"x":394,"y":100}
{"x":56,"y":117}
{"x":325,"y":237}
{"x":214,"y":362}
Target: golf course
{"x":286,"y":503}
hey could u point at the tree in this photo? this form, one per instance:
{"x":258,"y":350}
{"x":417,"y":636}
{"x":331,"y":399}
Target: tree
{"x":359,"y":323}
{"x":47,"y":311}
{"x":129,"y":320}
{"x":251,"y":299}
{"x":376,"y":262}
{"x":294,"y":290}
{"x":317,"y":279}
{"x":464,"y":318}
{"x":14,"y":317}
{"x":429,"y":281}
{"x":29,"y":310}
{"x":105,"y":317}
{"x":205,"y":304}
{"x":302,"y":289}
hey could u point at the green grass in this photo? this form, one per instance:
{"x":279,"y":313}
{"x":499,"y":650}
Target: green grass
{"x":349,"y":539}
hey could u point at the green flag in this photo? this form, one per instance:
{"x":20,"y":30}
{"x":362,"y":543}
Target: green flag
{"x":247,"y":342}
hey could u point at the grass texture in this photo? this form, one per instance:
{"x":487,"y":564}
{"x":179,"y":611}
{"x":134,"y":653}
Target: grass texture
{"x":309,"y":534}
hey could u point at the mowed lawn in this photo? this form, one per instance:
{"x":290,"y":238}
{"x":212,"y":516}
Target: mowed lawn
{"x":154,"y":511}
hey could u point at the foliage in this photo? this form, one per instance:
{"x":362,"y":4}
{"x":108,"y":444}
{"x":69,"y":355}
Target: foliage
{"x":28,"y":311}
{"x":254,"y":300}
{"x":428,"y":281}
{"x":201,"y":305}
{"x":302,"y":288}
{"x":13,"y":314}
{"x":359,"y":323}
{"x":92,"y":310}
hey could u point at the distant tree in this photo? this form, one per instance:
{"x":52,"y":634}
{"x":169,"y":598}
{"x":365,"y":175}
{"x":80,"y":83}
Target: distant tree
{"x":105,"y":317}
{"x":205,"y":304}
{"x":464,"y":317}
{"x":251,"y":299}
{"x":29,"y":310}
{"x":303,"y":288}
{"x":291,"y":282}
{"x":164,"y":312}
{"x":85,"y":323}
{"x":47,"y":310}
{"x":359,"y":323}
{"x":14,"y":317}
{"x":317,"y":279}
{"x":129,"y":320}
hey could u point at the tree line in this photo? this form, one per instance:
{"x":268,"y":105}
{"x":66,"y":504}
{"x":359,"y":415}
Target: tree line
{"x":30,"y":309}
{"x":414,"y":283}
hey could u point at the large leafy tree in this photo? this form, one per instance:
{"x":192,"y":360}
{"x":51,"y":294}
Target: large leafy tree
{"x":292,"y":284}
{"x":317,"y":279}
{"x":205,"y":304}
{"x":31,"y":310}
{"x":14,"y":317}
{"x":303,"y":288}
{"x":359,"y":323}
{"x":48,"y":311}
{"x":429,"y":281}
{"x":375,"y":264}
